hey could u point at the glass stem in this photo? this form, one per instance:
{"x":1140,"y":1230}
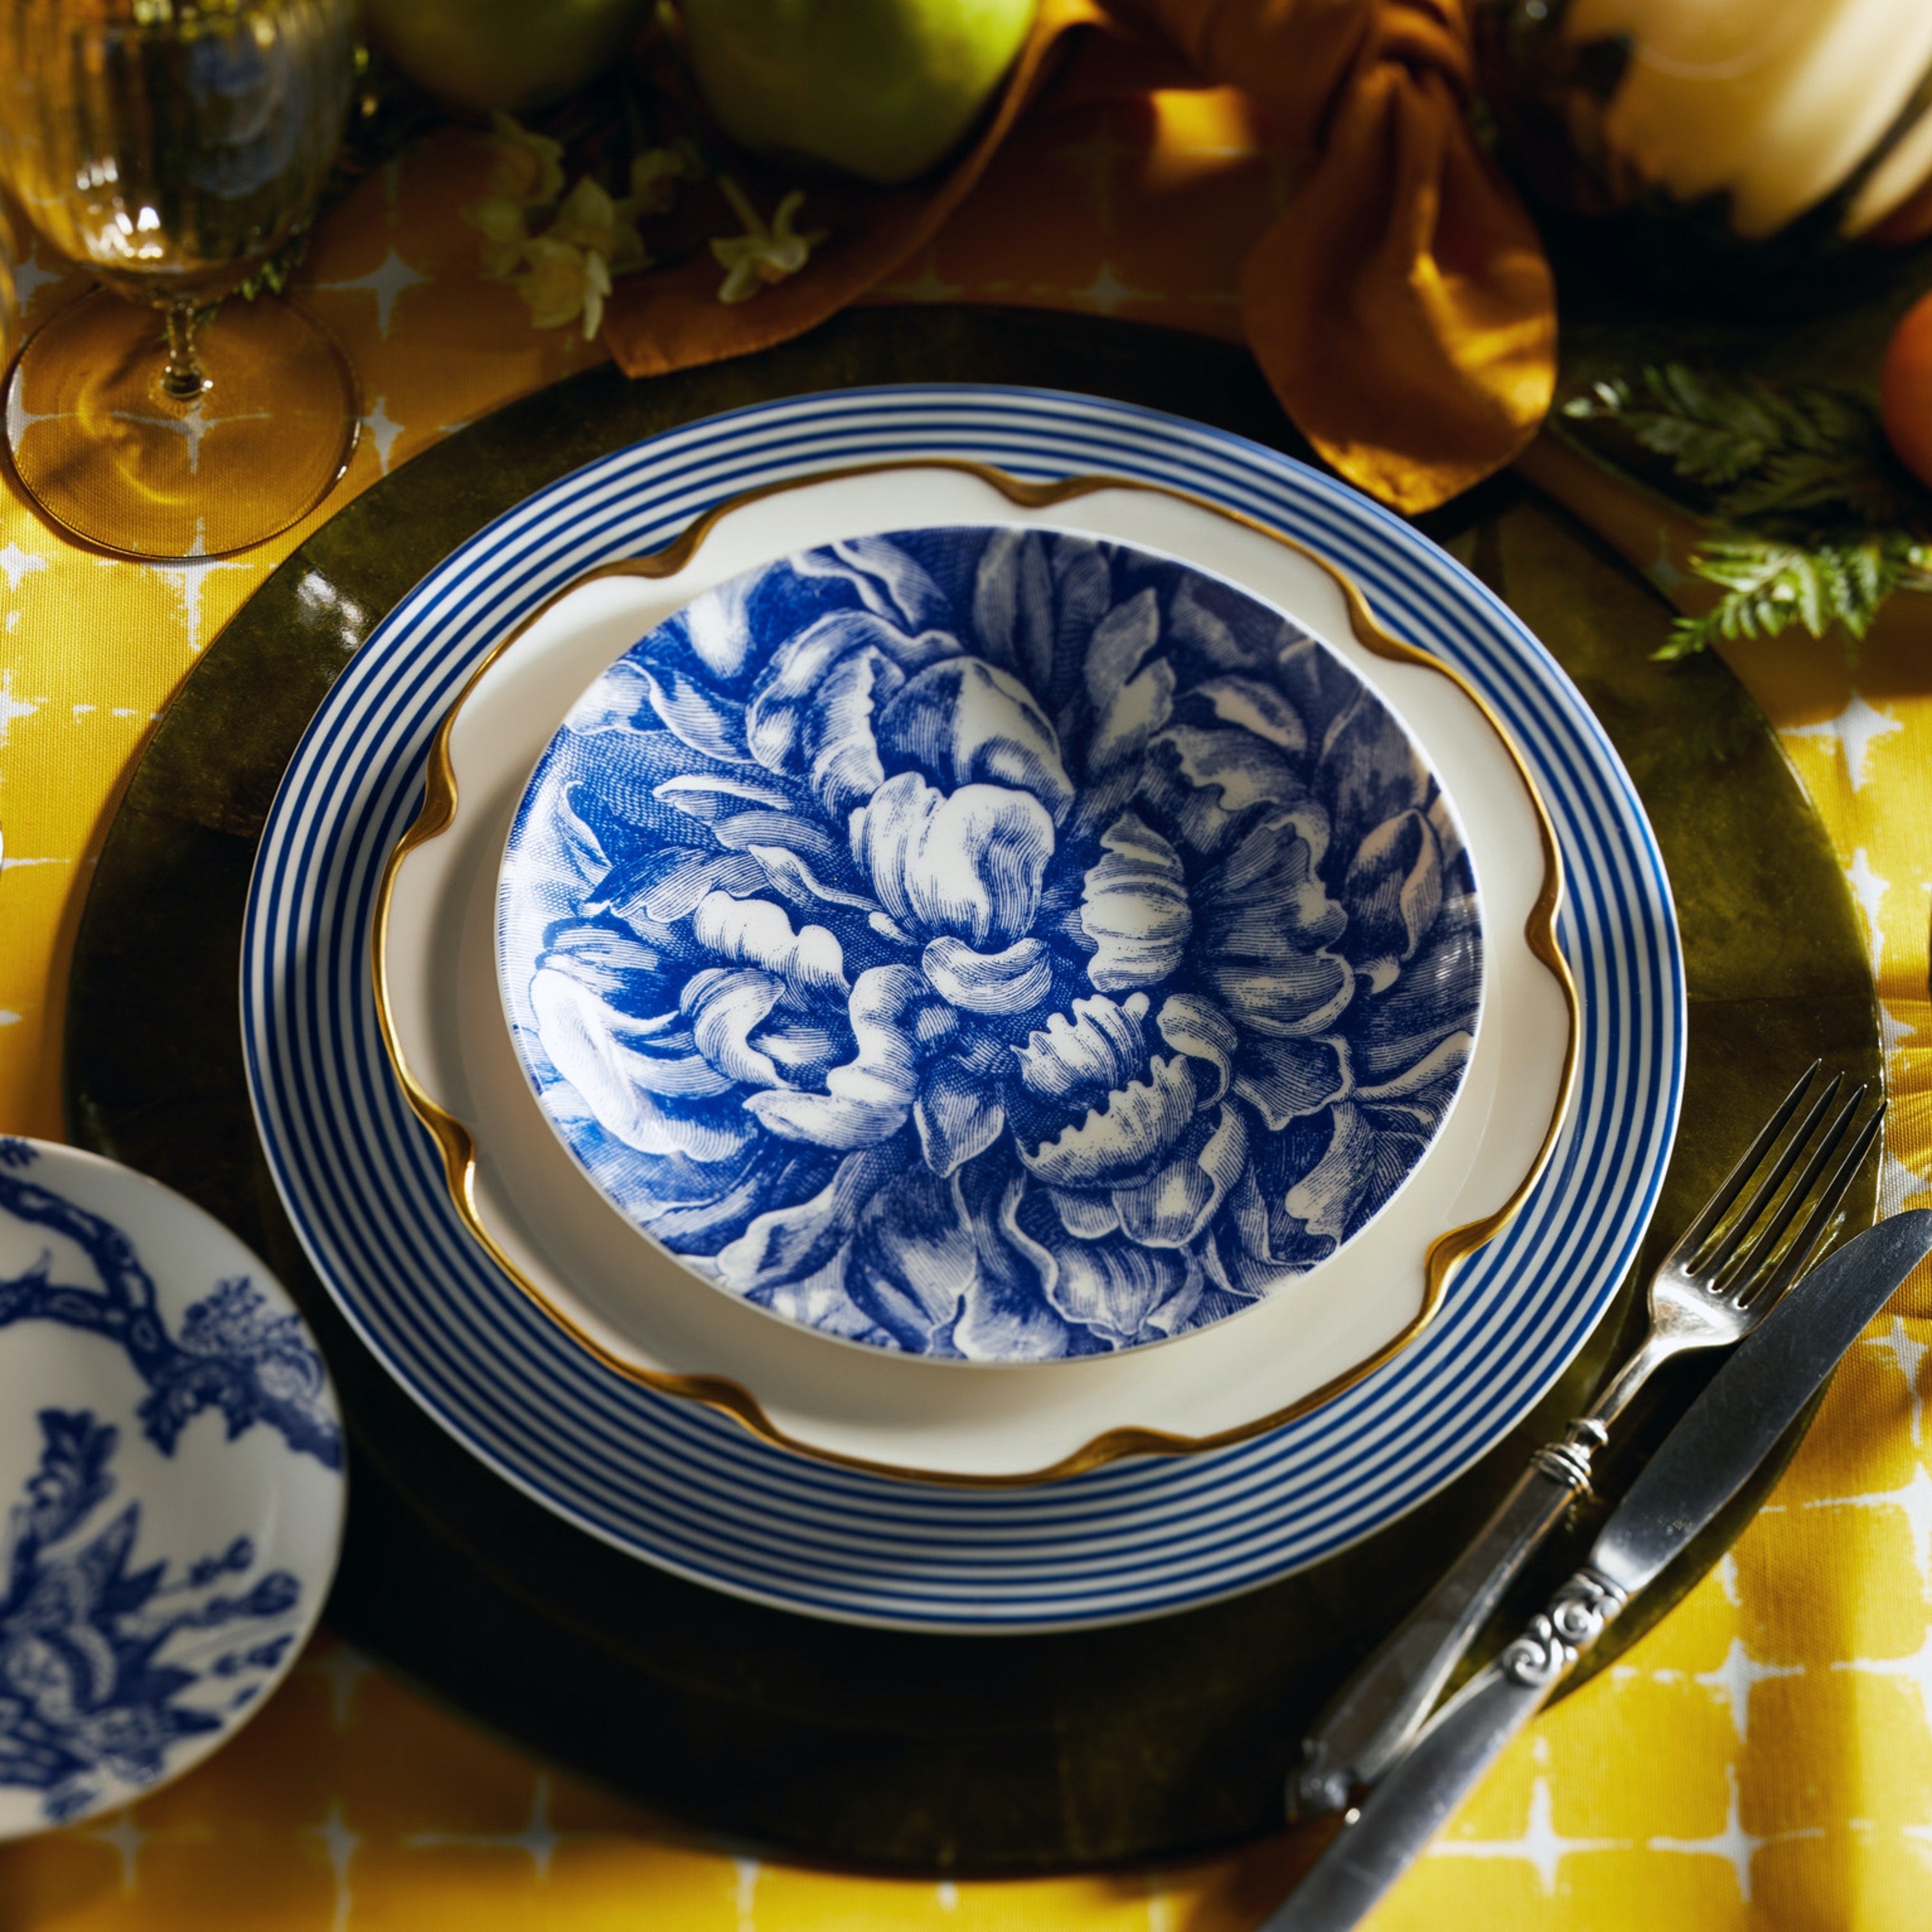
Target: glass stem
{"x":182,"y":380}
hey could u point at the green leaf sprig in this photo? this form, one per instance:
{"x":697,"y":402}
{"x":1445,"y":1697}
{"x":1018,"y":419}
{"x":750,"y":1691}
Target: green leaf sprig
{"x":1812,"y":520}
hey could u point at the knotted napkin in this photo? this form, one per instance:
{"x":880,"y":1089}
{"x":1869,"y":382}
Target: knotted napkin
{"x":1400,"y":305}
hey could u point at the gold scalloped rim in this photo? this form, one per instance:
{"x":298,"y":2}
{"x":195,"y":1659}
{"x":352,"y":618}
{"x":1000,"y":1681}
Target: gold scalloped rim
{"x":458,"y":1145}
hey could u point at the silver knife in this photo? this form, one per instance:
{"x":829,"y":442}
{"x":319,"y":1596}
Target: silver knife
{"x":1725,"y":1434}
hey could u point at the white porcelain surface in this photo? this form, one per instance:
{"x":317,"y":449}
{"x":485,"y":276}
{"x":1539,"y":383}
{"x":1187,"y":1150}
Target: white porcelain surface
{"x":171,"y":1469}
{"x":958,"y":1420}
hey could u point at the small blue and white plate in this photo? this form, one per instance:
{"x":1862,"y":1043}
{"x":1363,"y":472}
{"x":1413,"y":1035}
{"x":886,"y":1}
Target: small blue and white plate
{"x":171,"y":1470}
{"x":990,"y":943}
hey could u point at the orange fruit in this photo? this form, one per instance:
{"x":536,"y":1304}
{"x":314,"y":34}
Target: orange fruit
{"x":1905,"y":390}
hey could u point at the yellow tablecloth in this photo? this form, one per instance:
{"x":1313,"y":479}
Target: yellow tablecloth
{"x":1763,"y":1758}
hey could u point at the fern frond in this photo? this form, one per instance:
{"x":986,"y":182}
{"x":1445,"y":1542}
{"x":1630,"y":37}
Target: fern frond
{"x":1802,"y":445}
{"x":1813,"y":521}
{"x":1711,"y":439}
{"x":1770,"y":584}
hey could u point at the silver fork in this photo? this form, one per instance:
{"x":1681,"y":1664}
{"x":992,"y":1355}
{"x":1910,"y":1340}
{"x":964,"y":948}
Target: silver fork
{"x":1710,"y":1291}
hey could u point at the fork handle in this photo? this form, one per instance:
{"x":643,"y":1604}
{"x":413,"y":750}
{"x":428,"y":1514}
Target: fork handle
{"x":1622,"y":1386}
{"x":1382,"y":1706}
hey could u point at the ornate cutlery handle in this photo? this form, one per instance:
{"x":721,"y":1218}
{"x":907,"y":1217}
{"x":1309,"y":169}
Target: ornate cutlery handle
{"x":1381,"y":1707}
{"x":1456,"y":1747}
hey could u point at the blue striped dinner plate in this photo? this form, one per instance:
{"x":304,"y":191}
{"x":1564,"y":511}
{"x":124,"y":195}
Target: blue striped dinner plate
{"x":689,"y":1489}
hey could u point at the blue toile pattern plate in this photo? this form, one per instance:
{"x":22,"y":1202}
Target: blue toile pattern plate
{"x":990,"y":943}
{"x":172,"y":1471}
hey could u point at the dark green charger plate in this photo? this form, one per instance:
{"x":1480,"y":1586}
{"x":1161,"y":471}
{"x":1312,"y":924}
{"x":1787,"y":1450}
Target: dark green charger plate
{"x":979,"y":1754}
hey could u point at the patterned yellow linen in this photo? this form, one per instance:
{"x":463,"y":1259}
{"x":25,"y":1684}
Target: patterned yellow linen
{"x":1762,"y":1759}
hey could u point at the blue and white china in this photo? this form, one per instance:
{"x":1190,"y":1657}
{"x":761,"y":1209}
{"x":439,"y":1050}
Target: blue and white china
{"x":171,"y":1466}
{"x":991,"y":943}
{"x":691,"y":1490}
{"x":631,"y":1305}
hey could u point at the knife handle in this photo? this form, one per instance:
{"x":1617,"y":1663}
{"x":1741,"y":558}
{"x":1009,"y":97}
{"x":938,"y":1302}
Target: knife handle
{"x":1457,"y":1746}
{"x":1382,"y":1706}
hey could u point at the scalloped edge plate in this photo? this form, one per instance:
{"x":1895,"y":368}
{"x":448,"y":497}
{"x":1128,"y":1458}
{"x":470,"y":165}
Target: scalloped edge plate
{"x":640,"y":1312}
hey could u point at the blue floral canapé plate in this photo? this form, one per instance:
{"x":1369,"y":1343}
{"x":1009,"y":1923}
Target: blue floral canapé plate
{"x":991,"y":943}
{"x":171,"y":1469}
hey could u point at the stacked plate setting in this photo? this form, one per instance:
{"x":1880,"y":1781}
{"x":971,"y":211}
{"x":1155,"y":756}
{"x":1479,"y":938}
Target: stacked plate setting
{"x":596,"y":1295}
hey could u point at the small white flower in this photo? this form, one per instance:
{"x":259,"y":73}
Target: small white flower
{"x":500,"y":223}
{"x":525,"y":168}
{"x":761,"y":255}
{"x":655,"y":175}
{"x":563,"y":282}
{"x":591,"y":220}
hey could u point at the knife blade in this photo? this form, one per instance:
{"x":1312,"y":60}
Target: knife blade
{"x":1723,"y":1437}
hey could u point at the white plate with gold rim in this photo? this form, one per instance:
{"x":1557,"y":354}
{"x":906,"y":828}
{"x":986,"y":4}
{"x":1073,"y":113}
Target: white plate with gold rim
{"x":637,"y":1309}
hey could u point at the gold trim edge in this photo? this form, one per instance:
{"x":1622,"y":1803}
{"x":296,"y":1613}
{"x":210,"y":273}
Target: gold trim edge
{"x":457,"y":1146}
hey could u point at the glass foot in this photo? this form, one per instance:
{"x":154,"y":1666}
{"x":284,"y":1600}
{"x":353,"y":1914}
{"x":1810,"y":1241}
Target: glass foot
{"x":103,"y":448}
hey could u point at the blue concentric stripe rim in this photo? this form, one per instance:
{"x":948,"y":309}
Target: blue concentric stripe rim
{"x":690,"y":1490}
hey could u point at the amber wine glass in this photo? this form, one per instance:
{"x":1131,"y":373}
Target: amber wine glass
{"x":173,"y":147}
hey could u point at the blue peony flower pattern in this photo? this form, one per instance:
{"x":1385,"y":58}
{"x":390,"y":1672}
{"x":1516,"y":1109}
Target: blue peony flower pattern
{"x":990,"y":942}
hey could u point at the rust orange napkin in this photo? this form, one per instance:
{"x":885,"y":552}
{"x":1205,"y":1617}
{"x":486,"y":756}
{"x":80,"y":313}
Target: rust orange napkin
{"x":1400,"y":305}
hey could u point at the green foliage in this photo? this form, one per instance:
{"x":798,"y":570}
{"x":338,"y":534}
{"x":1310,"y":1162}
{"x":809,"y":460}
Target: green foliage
{"x":272,"y":277}
{"x":1813,"y":521}
{"x":1769,"y":585}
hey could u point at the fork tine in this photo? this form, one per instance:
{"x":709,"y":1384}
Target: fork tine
{"x":1788,"y":1269}
{"x":1739,"y":1273}
{"x":1699,"y":1232}
{"x":1761,"y":1196}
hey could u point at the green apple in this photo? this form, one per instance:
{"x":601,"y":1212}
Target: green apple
{"x":882,"y":88}
{"x":513,"y":54}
